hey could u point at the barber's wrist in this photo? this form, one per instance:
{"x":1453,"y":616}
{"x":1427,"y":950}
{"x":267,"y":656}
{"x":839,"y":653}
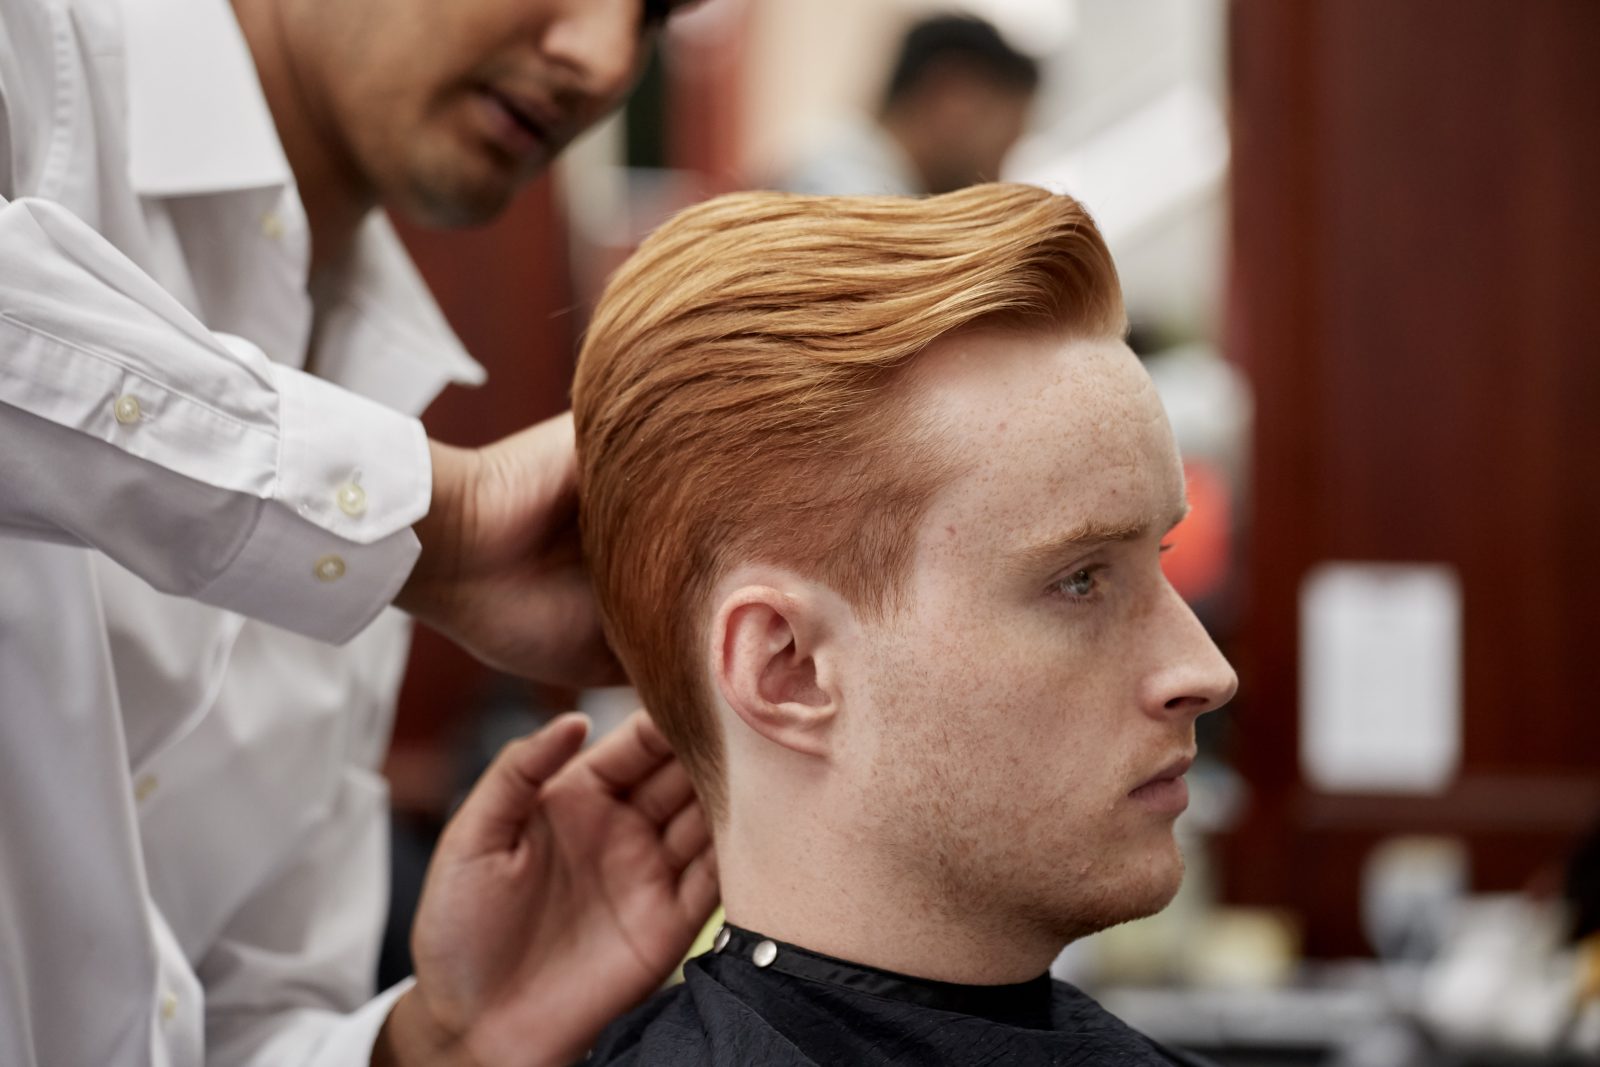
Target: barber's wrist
{"x":445,"y":531}
{"x":413,"y":1037}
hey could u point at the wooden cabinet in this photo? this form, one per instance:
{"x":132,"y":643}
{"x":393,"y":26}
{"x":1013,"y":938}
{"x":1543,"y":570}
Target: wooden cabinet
{"x":1416,"y":299}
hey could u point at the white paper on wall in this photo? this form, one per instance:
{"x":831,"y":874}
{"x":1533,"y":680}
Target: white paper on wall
{"x":1380,"y":677}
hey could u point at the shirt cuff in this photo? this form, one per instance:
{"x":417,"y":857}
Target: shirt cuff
{"x":346,"y":463}
{"x":296,"y":575}
{"x":333,"y":544}
{"x":351,"y":1041}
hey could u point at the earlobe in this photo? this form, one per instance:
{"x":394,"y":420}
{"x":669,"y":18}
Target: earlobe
{"x":767,"y":668}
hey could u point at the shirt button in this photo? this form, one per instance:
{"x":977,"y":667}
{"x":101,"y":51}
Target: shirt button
{"x":329,"y":569}
{"x":169,"y":1007}
{"x":271,"y":226}
{"x":126,"y":409}
{"x":145,"y":786}
{"x":352,"y":499}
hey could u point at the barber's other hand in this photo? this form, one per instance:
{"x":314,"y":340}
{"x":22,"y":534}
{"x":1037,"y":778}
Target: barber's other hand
{"x":562,"y":894}
{"x":501,"y":573}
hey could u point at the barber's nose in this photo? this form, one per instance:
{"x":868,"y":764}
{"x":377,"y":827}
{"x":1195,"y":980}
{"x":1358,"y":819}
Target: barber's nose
{"x":598,"y":41}
{"x":1190,"y":676}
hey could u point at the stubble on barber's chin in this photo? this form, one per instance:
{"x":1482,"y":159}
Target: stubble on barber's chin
{"x":447,"y":202}
{"x":438,"y":183}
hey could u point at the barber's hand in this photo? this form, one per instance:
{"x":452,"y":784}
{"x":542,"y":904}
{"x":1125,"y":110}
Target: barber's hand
{"x":561,"y":895}
{"x":501,"y":573}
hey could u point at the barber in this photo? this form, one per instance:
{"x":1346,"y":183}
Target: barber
{"x":213,"y":484}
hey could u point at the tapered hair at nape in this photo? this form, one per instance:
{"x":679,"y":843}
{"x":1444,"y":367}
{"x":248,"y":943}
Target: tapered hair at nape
{"x":736,"y":401}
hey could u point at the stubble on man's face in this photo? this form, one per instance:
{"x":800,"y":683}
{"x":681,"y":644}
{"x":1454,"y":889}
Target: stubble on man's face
{"x":447,"y":109}
{"x":1013,"y":719}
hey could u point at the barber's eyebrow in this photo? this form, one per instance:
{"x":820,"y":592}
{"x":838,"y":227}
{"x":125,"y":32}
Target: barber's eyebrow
{"x":1084,"y":537}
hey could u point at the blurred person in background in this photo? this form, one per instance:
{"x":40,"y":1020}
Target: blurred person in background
{"x":927,"y":673}
{"x":213,"y":350}
{"x":956,"y":103}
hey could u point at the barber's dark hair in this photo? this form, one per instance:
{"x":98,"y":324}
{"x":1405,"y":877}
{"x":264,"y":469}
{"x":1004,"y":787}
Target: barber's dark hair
{"x":963,"y":39}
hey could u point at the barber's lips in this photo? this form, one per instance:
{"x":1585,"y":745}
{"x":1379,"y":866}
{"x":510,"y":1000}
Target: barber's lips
{"x":514,"y":126}
{"x":1165,"y":793}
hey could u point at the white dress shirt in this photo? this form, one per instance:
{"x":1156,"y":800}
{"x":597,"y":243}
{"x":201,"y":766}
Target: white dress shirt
{"x":192,"y":829}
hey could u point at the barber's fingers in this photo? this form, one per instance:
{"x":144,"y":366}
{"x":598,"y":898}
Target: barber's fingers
{"x":664,"y":794}
{"x":627,"y":756}
{"x":497,"y":809}
{"x":685,"y":837}
{"x":698,"y":888}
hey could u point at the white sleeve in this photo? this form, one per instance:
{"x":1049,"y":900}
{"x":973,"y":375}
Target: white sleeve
{"x":187,"y":456}
{"x":290,"y":978}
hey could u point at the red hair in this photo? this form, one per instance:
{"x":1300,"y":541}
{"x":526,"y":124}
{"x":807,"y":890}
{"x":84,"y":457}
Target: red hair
{"x":734,"y":402}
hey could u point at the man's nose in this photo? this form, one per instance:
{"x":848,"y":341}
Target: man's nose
{"x":598,"y":42}
{"x":1190,"y":676}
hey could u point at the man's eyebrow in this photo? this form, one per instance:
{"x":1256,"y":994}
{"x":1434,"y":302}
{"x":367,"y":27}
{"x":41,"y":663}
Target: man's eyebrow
{"x":1087,"y":535}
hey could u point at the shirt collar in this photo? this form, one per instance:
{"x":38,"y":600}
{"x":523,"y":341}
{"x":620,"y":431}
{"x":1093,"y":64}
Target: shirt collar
{"x":199,"y":124}
{"x":381,"y":288}
{"x":198,"y":119}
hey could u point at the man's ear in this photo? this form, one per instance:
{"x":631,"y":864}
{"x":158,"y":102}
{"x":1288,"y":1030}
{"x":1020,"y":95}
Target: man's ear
{"x":771,"y":655}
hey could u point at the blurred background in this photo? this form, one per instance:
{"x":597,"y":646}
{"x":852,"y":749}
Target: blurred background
{"x":1360,"y":244}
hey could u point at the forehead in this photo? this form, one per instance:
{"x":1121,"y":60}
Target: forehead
{"x":1048,"y":433}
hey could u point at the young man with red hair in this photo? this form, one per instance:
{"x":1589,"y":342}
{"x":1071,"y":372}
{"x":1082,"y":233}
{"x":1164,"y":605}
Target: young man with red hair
{"x":874,"y":496}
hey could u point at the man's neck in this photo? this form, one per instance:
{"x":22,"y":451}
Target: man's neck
{"x":335,"y":195}
{"x":820,"y":892}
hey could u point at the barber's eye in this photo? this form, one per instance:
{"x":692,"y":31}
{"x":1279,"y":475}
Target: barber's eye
{"x":1080,"y":583}
{"x":656,"y":11}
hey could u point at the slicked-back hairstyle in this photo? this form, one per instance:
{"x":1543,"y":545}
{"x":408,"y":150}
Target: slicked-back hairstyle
{"x":735,"y":402}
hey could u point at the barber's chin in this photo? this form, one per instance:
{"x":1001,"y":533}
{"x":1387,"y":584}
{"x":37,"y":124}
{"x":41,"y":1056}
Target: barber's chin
{"x":448,"y":194}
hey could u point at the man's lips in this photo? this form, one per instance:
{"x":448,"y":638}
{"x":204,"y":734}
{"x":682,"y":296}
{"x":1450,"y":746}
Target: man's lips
{"x":1166,"y":791}
{"x":1177,"y":768}
{"x":521,"y":127}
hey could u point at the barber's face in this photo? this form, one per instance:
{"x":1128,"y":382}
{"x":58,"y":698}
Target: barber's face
{"x":980,"y":123}
{"x":446,"y":106}
{"x":1042,"y":670}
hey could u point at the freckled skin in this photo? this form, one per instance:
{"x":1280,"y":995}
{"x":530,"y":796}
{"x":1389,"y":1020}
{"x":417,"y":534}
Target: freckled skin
{"x":1003,"y":725}
{"x":952,"y":797}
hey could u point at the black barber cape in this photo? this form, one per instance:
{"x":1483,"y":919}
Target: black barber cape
{"x":760,"y":1002}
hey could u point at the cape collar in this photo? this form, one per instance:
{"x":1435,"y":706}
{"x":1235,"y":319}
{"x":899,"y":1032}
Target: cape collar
{"x":1024,"y":1004}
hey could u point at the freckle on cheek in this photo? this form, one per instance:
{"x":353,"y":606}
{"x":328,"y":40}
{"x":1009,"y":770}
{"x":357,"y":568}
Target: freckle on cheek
{"x":951,"y":530}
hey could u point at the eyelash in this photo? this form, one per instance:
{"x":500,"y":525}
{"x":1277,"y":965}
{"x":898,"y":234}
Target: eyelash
{"x":1059,"y":588}
{"x":1091,"y":572}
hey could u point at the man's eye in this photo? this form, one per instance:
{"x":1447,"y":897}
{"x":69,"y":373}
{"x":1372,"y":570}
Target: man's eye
{"x":1079,"y":584}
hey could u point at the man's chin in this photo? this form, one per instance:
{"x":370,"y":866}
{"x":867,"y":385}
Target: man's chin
{"x":454,"y":201}
{"x":1135,"y":894}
